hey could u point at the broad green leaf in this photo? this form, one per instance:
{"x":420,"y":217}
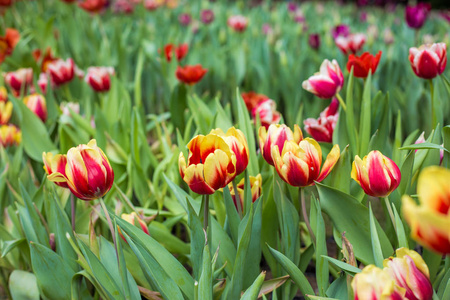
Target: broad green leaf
{"x":365,"y":118}
{"x":350,"y":113}
{"x":23,"y":285}
{"x":349,"y":269}
{"x":376,"y":246}
{"x":205,"y":282}
{"x":253,"y":291}
{"x":400,"y":230}
{"x":197,"y":240}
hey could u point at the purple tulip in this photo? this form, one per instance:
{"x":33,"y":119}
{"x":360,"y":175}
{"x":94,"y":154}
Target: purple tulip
{"x":292,"y":7}
{"x":207,"y":16}
{"x":417,"y":15}
{"x":340,"y":30}
{"x":314,"y":41}
{"x":185,"y":19}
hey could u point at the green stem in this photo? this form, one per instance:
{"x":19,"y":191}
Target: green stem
{"x":67,"y":92}
{"x":111,"y":228}
{"x":305,"y":215}
{"x":206,"y":213}
{"x":341,"y":101}
{"x":391,"y":213}
{"x":238,"y":199}
{"x":433,"y":110}
{"x":73,"y":208}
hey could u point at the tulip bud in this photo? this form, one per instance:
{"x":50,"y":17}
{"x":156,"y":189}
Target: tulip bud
{"x":5,"y":112}
{"x":3,"y":94}
{"x":190,"y":74}
{"x":252,"y":99}
{"x":19,"y":80}
{"x":8,"y":42}
{"x":238,"y":23}
{"x":322,"y":129}
{"x":130,"y":218}
{"x":428,"y":61}
{"x":99,"y":78}
{"x":88,"y":173}
{"x":55,"y":164}
{"x":376,"y":174}
{"x":351,"y":43}
{"x":299,"y":164}
{"x":327,"y":82}
{"x":340,"y":30}
{"x":375,"y":284}
{"x":417,"y":15}
{"x":267,"y":112}
{"x":36,"y":103}
{"x":152,"y":5}
{"x":10,"y":135}
{"x":363,"y":64}
{"x":207,"y":16}
{"x":61,"y":71}
{"x":255,"y":186}
{"x":211,"y":164}
{"x":93,"y":6}
{"x":429,"y":221}
{"x":185,"y":19}
{"x":238,"y":144}
{"x":277,"y":135}
{"x":410,"y":272}
{"x":314,"y":41}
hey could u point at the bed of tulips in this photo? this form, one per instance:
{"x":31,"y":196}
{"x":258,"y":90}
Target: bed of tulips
{"x":155,"y":149}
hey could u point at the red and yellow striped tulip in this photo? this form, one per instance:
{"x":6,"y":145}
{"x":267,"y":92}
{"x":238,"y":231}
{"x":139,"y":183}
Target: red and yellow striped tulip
{"x":277,"y":135}
{"x":376,"y":174}
{"x":238,"y":144}
{"x":36,"y":103}
{"x":3,"y":94}
{"x":430,"y":220}
{"x":130,"y":218}
{"x":299,"y":164}
{"x":211,"y":164}
{"x":255,"y":186}
{"x":5,"y":112}
{"x":88,"y":173}
{"x":375,"y":284}
{"x":410,"y":272}
{"x":55,"y":164}
{"x":10,"y":135}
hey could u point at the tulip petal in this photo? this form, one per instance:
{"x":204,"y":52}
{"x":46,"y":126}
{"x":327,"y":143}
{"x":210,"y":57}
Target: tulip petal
{"x":379,"y":179}
{"x":433,"y":189}
{"x":219,"y":169}
{"x":194,"y":177}
{"x":330,"y":162}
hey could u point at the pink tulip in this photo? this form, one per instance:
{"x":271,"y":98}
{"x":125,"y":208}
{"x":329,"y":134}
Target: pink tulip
{"x":327,"y":82}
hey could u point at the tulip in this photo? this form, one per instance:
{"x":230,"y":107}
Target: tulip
{"x":3,"y":94}
{"x":429,"y":221}
{"x":93,"y":6}
{"x":207,"y":16}
{"x":55,"y":164}
{"x":314,"y":41}
{"x":410,"y":272}
{"x":417,"y":15}
{"x":44,"y":60}
{"x":88,"y":173}
{"x":8,"y":43}
{"x":252,"y":99}
{"x":267,"y":112}
{"x":292,"y":6}
{"x":277,"y":135}
{"x":322,"y":129}
{"x":43,"y":82}
{"x":36,"y":103}
{"x":10,"y":135}
{"x":123,"y":6}
{"x":152,"y":5}
{"x":428,"y":61}
{"x":238,"y":23}
{"x":61,"y":71}
{"x":99,"y":78}
{"x":211,"y":164}
{"x":238,"y":144}
{"x":20,"y":79}
{"x":363,"y":64}
{"x":255,"y":187}
{"x":375,"y":284}
{"x":185,"y":19}
{"x":5,"y":3}
{"x":327,"y":82}
{"x":340,"y":30}
{"x":350,"y":44}
{"x":5,"y":112}
{"x":299,"y":164}
{"x":190,"y":74}
{"x":180,"y":51}
{"x":130,"y":218}
{"x":376,"y":174}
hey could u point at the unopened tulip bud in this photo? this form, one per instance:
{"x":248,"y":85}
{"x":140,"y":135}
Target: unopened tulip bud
{"x":255,"y":187}
{"x":428,"y":61}
{"x":61,"y":71}
{"x":36,"y":103}
{"x":10,"y":135}
{"x":5,"y":112}
{"x":99,"y":78}
{"x":327,"y":82}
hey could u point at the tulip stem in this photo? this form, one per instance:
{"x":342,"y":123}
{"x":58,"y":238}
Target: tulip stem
{"x":238,"y":199}
{"x":391,"y":213}
{"x":111,"y":228}
{"x":433,"y":110}
{"x":206,"y":212}
{"x":341,"y":101}
{"x":72,"y":208}
{"x":305,"y":215}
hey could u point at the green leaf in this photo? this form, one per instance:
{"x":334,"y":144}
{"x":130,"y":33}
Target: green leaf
{"x":57,"y":283}
{"x":23,"y":285}
{"x":35,"y":136}
{"x":348,"y":215}
{"x":233,"y":219}
{"x":349,"y":269}
{"x":253,"y":291}
{"x":365,"y":119}
{"x":400,"y":230}
{"x":178,"y":104}
{"x":296,"y":275}
{"x":7,"y":246}
{"x":272,"y":284}
{"x":205,"y":282}
{"x":425,"y":145}
{"x":197,"y":240}
{"x":350,"y":113}
{"x":446,"y":136}
{"x":376,"y":246}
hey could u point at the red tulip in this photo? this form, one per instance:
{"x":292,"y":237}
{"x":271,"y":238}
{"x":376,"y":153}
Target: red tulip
{"x":363,"y":64}
{"x":428,"y":61}
{"x":322,"y":129}
{"x":180,"y":51}
{"x":252,"y":99}
{"x":267,"y":112}
{"x":93,"y":6}
{"x":55,"y":164}
{"x":99,"y":78}
{"x":8,"y":43}
{"x":36,"y":103}
{"x":61,"y":71}
{"x":190,"y":74}
{"x":238,"y":23}
{"x":20,"y":79}
{"x":10,"y":135}
{"x":43,"y":82}
{"x":44,"y":60}
{"x":277,"y":135}
{"x":351,"y":43}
